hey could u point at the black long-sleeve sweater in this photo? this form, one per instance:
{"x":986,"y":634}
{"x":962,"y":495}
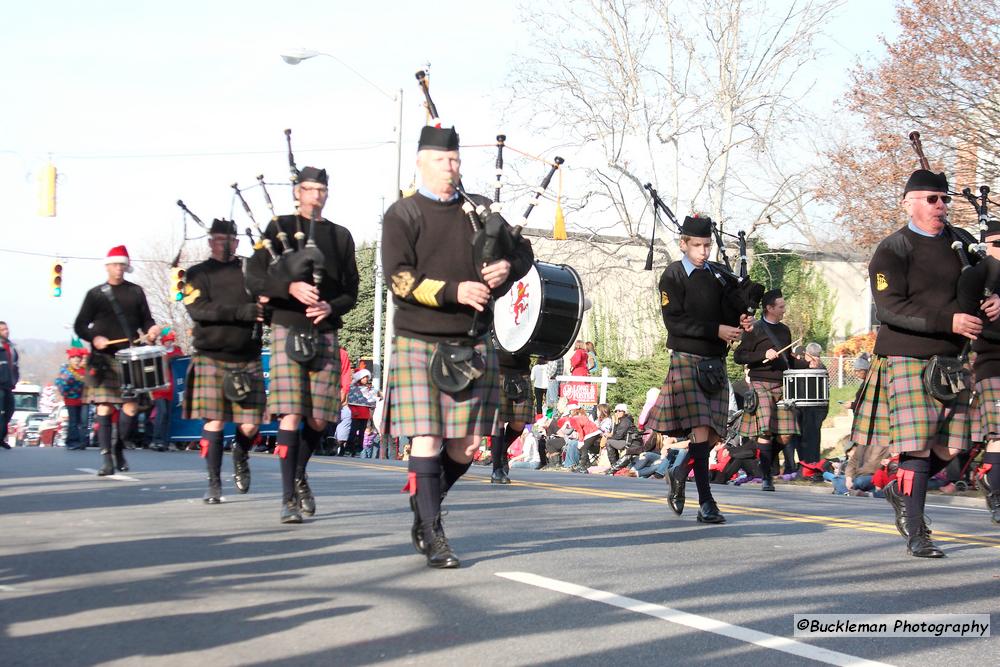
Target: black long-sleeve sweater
{"x":755,"y":344}
{"x":223,"y":311}
{"x":97,"y":316}
{"x":693,"y":307}
{"x":339,"y":286}
{"x":913,"y":281}
{"x":426,"y":253}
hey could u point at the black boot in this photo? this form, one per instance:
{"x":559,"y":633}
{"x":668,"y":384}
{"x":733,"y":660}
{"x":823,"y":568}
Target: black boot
{"x":767,"y":484}
{"x":992,"y":498}
{"x":241,"y":468}
{"x":120,"y":463}
{"x":290,"y":512}
{"x":892,"y":494}
{"x":709,"y":513}
{"x":498,"y":477}
{"x":214,"y":494}
{"x":920,"y":545}
{"x":676,"y":479}
{"x":107,"y":466}
{"x":304,"y":495}
{"x":416,"y":534}
{"x":439,"y":552}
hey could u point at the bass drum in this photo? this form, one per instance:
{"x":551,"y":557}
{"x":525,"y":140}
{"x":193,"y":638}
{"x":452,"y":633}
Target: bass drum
{"x":542,"y":313}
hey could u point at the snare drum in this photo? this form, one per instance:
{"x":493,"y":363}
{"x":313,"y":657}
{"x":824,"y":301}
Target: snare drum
{"x":806,"y":387}
{"x":143,"y":369}
{"x":542,"y":313}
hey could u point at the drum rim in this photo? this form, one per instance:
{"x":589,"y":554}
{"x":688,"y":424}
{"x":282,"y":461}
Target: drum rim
{"x":142,"y":351}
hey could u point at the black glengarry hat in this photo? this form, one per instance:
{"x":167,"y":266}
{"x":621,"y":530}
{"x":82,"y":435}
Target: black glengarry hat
{"x":223,"y":226}
{"x":699,"y":228}
{"x":927,"y":181}
{"x":438,"y":139}
{"x":313,"y":175}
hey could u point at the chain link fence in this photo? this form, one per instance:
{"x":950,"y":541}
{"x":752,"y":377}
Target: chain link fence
{"x":842,"y":373}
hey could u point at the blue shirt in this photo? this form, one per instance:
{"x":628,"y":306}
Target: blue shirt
{"x":689,"y":266}
{"x":917,"y":230}
{"x":433,"y":197}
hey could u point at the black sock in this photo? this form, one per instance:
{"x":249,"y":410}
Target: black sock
{"x":993,"y":474}
{"x":765,"y":458}
{"x":937,"y":464}
{"x":103,"y":423}
{"x":912,"y":479}
{"x":452,"y":470}
{"x":699,"y":454}
{"x":498,"y":447}
{"x":288,"y":450}
{"x":426,"y":472}
{"x":212,"y":451}
{"x":308,"y":444}
{"x":242,"y":441}
{"x":125,"y":422}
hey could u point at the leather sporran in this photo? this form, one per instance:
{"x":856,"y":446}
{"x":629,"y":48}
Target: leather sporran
{"x":301,"y":345}
{"x":454,"y":367}
{"x":945,"y":378}
{"x":237,"y":385}
{"x":750,"y":401}
{"x":514,"y":387}
{"x":711,"y":375}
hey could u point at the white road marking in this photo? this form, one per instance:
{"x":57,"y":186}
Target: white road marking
{"x":959,"y":507}
{"x":696,"y":622}
{"x":118,"y":476}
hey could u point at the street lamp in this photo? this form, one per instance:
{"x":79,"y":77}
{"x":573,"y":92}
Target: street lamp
{"x":294,"y":57}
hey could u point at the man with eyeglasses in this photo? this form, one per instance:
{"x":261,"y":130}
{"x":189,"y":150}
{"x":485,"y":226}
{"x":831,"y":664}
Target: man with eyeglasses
{"x":306,"y":315}
{"x":913,"y":276}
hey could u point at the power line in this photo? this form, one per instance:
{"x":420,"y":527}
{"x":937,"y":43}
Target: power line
{"x":132,"y":156}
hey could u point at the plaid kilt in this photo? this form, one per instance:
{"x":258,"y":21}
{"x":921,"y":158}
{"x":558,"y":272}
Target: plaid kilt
{"x":108,"y":389}
{"x":516,"y":411}
{"x":682,"y":405}
{"x":986,"y":411}
{"x":415,"y":407}
{"x":204,"y":398}
{"x":893,"y":410}
{"x":311,"y":390}
{"x":770,"y":418}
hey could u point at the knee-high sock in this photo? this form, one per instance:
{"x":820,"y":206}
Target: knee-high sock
{"x":125,"y":423}
{"x":288,"y":451}
{"x":912,"y":479}
{"x":211,"y":451}
{"x":993,"y":474}
{"x":425,"y":474}
{"x":699,"y":454}
{"x":499,"y":445}
{"x":309,"y":443}
{"x":937,"y":464}
{"x":766,"y":460}
{"x":242,"y":442}
{"x":103,"y":423}
{"x":451,"y":470}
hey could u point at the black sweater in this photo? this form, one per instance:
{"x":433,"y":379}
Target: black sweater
{"x":753,"y":346}
{"x":339,"y":287}
{"x":426,"y":253}
{"x":693,"y":307}
{"x":913,"y":281}
{"x":223,"y":311}
{"x":97,"y":317}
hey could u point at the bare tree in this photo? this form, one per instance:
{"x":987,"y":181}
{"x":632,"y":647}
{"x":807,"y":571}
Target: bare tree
{"x":685,"y":95}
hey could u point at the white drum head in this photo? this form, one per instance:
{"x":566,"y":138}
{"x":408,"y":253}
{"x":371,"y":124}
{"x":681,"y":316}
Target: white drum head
{"x":515,"y":314}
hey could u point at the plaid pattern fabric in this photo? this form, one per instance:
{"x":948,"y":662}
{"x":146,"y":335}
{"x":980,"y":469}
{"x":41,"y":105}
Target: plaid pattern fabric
{"x":682,"y":404}
{"x":415,"y":407}
{"x":770,"y":418}
{"x":311,"y":390}
{"x":204,"y":398}
{"x":517,"y":411}
{"x":986,"y":411}
{"x":109,"y":389}
{"x":894,"y":410}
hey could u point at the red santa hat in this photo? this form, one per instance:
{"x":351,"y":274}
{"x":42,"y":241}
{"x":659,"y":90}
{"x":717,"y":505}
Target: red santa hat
{"x":119,"y":255}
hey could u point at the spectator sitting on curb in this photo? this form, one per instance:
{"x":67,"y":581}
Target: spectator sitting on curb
{"x":527,"y":456}
{"x":585,"y":436}
{"x":858,"y":473}
{"x":622,"y":436}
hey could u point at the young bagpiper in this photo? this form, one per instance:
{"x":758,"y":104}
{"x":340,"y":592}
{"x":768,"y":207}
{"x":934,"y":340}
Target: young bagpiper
{"x":701,"y":322}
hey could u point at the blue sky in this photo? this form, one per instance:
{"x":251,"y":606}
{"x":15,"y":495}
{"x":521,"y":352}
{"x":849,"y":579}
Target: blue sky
{"x":142,"y":103}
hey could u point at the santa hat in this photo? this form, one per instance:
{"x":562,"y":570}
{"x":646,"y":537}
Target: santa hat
{"x":363,"y":373}
{"x":119,"y":255}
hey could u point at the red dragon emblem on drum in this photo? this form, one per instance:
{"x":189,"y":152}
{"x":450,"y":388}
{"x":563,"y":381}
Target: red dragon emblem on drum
{"x":520,"y":304}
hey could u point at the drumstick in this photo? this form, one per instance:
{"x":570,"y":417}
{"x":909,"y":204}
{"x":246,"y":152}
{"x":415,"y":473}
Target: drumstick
{"x":789,"y":346}
{"x":122,"y":340}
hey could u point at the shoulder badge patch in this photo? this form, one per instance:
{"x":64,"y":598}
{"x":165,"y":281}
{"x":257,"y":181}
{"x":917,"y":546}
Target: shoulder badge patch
{"x":664,"y":299}
{"x":881,"y":282}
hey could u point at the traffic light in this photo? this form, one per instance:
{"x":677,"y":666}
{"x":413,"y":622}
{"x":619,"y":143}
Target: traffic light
{"x":47,"y":191}
{"x":57,"y":279}
{"x":177,"y":283}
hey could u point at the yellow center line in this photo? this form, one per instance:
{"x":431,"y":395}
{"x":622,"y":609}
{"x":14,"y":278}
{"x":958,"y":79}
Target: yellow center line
{"x":792,"y":517}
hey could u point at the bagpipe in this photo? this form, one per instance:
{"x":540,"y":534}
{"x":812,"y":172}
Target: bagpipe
{"x":742,"y":293}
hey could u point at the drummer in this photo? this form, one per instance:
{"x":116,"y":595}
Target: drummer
{"x":765,"y":350}
{"x":811,"y":417}
{"x":114,"y":316}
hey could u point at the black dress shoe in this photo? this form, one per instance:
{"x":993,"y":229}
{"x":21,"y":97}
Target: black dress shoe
{"x":709,"y":513}
{"x":214,"y":494}
{"x":767,"y":484}
{"x":439,"y":553}
{"x":922,"y":547}
{"x":496,"y":477}
{"x":504,"y":479}
{"x":307,"y":504}
{"x":675,"y":496}
{"x":241,"y":470}
{"x":416,"y":534}
{"x":290,"y":512}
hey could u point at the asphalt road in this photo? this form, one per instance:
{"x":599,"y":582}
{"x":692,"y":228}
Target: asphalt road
{"x":558,"y":569}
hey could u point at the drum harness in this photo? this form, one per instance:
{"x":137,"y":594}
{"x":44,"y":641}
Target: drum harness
{"x":119,"y":314}
{"x":750,"y":399}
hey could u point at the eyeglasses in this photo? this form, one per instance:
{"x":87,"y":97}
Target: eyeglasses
{"x":933,"y":199}
{"x":995,"y":244}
